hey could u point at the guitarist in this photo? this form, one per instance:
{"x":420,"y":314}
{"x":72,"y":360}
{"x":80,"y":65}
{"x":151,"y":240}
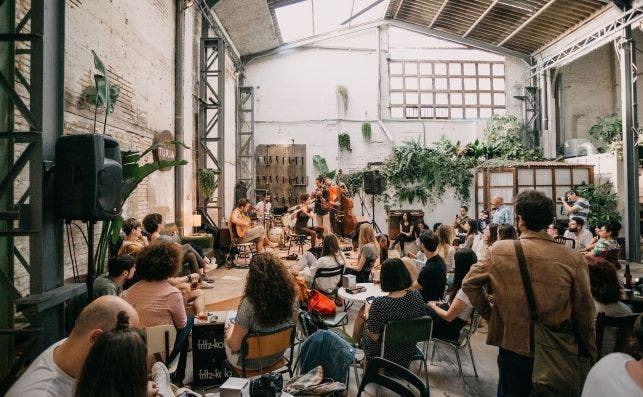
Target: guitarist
{"x":322,"y":195}
{"x":243,"y":227}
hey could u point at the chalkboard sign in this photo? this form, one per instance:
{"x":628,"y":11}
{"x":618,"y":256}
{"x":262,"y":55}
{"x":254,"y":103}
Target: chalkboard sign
{"x":208,"y":354}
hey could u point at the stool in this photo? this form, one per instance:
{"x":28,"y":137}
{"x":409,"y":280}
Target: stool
{"x":300,"y":240}
{"x":246,"y":250}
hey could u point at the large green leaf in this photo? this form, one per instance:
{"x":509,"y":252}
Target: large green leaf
{"x":142,"y":172}
{"x":319,"y":163}
{"x":100,"y":66}
{"x":158,"y":145}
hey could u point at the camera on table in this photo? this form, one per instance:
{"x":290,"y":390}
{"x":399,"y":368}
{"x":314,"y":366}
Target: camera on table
{"x":269,"y":385}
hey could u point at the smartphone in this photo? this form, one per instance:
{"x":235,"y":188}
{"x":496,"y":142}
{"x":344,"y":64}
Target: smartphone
{"x":370,"y":300}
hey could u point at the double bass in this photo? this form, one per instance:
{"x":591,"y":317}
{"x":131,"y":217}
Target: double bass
{"x":346,"y":203}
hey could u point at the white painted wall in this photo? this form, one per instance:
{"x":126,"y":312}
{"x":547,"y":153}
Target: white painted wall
{"x":296,"y":101}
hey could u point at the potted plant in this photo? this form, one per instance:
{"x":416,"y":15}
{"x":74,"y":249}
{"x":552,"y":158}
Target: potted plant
{"x":366,"y":131}
{"x":207,"y":182}
{"x":344,"y":141}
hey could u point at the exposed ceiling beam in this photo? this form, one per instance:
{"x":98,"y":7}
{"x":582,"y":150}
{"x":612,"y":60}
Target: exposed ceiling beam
{"x":527,"y":22}
{"x":480,"y":18}
{"x":437,"y":14}
{"x":459,"y":39}
{"x":399,"y":5}
{"x":362,"y":11}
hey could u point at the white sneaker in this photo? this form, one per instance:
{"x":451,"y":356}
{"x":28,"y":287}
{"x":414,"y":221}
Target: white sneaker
{"x":161,"y":376}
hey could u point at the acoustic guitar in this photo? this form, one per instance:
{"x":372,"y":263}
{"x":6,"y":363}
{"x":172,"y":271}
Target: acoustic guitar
{"x":241,"y":230}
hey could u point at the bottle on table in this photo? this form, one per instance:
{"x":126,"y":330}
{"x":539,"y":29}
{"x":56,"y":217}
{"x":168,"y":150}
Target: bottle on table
{"x":628,"y":278}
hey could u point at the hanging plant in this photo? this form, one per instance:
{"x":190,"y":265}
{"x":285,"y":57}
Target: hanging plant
{"x":608,"y":131}
{"x":344,"y":141}
{"x":208,"y":182}
{"x":366,"y":131}
{"x":353,"y":182}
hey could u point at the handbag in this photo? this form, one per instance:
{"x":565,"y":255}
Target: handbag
{"x":561,"y":363}
{"x":321,"y":303}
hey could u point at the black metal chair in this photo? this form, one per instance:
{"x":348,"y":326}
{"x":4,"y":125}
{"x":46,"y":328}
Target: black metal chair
{"x":616,"y":334}
{"x":565,"y":241}
{"x":393,"y":377}
{"x":412,"y":330}
{"x":340,"y":318}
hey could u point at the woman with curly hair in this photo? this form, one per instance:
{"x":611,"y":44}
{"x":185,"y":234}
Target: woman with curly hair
{"x":160,"y":298}
{"x":268,"y":303}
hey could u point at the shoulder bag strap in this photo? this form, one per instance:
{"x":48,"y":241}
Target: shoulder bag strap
{"x":526,"y":281}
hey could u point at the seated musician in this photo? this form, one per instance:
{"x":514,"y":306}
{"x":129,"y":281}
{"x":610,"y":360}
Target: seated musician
{"x":244,"y":228}
{"x":302,"y":216}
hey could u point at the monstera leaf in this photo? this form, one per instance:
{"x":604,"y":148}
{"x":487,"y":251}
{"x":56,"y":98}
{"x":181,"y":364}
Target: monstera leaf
{"x":319,"y":163}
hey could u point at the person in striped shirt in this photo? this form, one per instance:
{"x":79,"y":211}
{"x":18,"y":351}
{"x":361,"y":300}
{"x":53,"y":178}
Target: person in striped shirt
{"x":576,"y":205}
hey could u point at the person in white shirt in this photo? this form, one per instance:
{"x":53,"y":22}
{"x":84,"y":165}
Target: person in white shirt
{"x":263,"y":207}
{"x":577,"y":232}
{"x":331,"y":257}
{"x":54,"y":372}
{"x":617,"y":374}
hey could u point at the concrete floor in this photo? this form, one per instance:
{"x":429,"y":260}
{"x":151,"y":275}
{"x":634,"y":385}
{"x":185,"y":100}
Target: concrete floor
{"x":443,"y":375}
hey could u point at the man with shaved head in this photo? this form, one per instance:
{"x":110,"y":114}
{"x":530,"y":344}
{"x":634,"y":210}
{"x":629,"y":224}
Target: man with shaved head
{"x":55,"y":371}
{"x":503,"y":213}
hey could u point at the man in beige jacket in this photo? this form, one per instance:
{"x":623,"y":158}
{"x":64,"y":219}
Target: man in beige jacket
{"x":560,"y":282}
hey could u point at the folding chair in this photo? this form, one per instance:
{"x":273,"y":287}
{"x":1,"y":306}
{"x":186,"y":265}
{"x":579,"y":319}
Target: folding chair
{"x":257,"y":345}
{"x":389,"y":374}
{"x":463,"y":342}
{"x":413,"y":330}
{"x":570,"y":242}
{"x":615,"y":334}
{"x":160,"y":341}
{"x":340,"y":318}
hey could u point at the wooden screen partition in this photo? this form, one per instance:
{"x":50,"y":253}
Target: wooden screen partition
{"x":281,"y":171}
{"x":552,"y":178}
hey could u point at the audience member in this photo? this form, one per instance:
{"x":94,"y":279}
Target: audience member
{"x":400,"y":304}
{"x":556,"y":229}
{"x":134,"y":241}
{"x":154,"y":225}
{"x":420,"y":226}
{"x":510,"y":324}
{"x":445,"y":249}
{"x":579,"y":233}
{"x":489,"y":236}
{"x":503,"y":213}
{"x":606,"y":288}
{"x":483,"y":221}
{"x":158,"y":300}
{"x":575,"y":205}
{"x":331,"y":257}
{"x":507,"y":232}
{"x":617,"y":374}
{"x":436,"y":225}
{"x":433,"y":276}
{"x":369,"y":252}
{"x":407,"y":232}
{"x":117,"y":364}
{"x":384,"y":242}
{"x":268,"y":304}
{"x":449,"y":319}
{"x":607,"y":234}
{"x":471,"y":228}
{"x":461,"y":219}
{"x":119,"y":269}
{"x":54,"y":371}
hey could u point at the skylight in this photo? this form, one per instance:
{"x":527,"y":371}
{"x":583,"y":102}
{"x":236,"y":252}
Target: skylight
{"x":313,"y":17}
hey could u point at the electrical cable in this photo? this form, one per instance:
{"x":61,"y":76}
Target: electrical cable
{"x":71,"y":255}
{"x":81,"y":231}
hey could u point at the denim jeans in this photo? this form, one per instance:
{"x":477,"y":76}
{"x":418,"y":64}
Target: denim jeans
{"x":181,"y":349}
{"x":514,"y":372}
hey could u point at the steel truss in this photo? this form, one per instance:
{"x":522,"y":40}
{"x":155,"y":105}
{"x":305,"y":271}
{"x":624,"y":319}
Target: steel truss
{"x":589,"y":42}
{"x":245,"y":138}
{"x":33,"y":94}
{"x":211,"y":121}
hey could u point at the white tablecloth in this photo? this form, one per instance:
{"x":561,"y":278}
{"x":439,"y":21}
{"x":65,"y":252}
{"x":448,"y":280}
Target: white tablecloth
{"x":371,"y":290}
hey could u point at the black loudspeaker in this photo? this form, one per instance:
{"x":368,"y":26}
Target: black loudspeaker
{"x":372,"y":182}
{"x":88,"y":176}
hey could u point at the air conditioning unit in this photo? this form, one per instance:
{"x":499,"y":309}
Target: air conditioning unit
{"x":579,"y":147}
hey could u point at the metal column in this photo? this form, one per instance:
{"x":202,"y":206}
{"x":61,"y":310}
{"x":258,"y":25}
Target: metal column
{"x":627,"y":56}
{"x":245,"y":138}
{"x":211,"y":122}
{"x":32,"y":127}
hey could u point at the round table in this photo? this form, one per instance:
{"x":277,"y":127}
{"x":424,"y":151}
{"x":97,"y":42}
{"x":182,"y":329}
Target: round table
{"x":371,"y":290}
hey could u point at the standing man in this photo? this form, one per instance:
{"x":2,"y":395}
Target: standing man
{"x":55,"y":371}
{"x":460,"y":219}
{"x":322,"y":195}
{"x":120,"y":269}
{"x":581,"y":236}
{"x":263,"y":207}
{"x":503,"y":213}
{"x":575,"y":205}
{"x":560,"y":282}
{"x":432,"y":279}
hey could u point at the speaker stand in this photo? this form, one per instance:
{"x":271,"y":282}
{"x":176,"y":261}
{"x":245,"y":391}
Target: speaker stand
{"x":373,"y":223}
{"x":90,"y":260}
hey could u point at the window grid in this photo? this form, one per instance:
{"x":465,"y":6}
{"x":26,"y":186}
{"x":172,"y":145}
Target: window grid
{"x":427,"y":93}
